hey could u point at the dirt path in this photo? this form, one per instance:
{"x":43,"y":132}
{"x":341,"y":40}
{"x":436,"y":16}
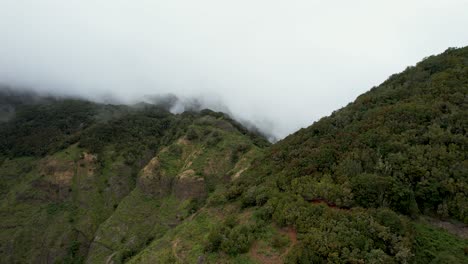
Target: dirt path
{"x":174,"y":251}
{"x":274,"y":258}
{"x":458,"y":229}
{"x":262,"y":258}
{"x":109,"y":259}
{"x":292,"y":234}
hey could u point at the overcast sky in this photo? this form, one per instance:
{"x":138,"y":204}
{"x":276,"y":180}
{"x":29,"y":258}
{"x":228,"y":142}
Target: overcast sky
{"x":280,"y":64}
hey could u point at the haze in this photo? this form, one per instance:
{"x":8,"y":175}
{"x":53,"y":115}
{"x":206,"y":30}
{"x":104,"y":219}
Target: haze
{"x":278,"y":64}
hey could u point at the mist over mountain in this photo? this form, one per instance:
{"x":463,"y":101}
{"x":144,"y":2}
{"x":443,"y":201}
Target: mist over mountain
{"x":382,"y":180}
{"x":13,"y":97}
{"x":279,"y":65}
{"x":233,"y":132}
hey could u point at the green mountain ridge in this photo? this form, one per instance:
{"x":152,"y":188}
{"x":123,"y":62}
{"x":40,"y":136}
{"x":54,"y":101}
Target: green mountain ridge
{"x":382,"y":180}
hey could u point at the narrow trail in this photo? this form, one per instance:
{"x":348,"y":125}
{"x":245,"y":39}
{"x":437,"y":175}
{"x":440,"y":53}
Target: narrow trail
{"x":174,"y":251}
{"x":109,"y":259}
{"x":458,"y":229}
{"x":292,"y":234}
{"x":274,"y":258}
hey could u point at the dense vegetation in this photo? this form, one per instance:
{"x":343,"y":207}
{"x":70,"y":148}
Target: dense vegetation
{"x":402,"y":146}
{"x":72,"y":170}
{"x":383,"y":180}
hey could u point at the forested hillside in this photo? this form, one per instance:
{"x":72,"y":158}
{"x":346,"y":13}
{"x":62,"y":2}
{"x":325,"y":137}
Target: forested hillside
{"x":90,"y":182}
{"x":353,"y":183}
{"x":382,"y":180}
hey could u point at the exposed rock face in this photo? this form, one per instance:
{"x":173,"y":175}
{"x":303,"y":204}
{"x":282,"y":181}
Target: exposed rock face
{"x":86,"y":165}
{"x":57,"y":176}
{"x":57,"y":179}
{"x":182,"y":169}
{"x":58,"y":172}
{"x":153,"y":180}
{"x":188,"y":185}
{"x":68,"y":204}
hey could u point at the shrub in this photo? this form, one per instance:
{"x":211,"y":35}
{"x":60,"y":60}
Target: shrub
{"x":192,"y":134}
{"x":279,"y":241}
{"x":230,"y":237}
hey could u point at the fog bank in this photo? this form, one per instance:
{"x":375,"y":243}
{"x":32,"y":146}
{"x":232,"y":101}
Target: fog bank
{"x":278,"y":64}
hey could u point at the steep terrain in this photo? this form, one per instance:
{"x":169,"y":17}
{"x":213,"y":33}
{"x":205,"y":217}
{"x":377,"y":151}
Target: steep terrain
{"x":397,"y":152}
{"x":96,"y":183}
{"x":382,"y":180}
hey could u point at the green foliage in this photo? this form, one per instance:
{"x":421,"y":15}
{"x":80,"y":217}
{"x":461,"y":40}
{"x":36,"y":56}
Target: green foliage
{"x":389,"y":218}
{"x":134,"y":134}
{"x":213,"y":139}
{"x":126,"y":254}
{"x":323,"y":189}
{"x":79,"y":180}
{"x":400,"y":148}
{"x":39,"y":129}
{"x":279,"y":241}
{"x":254,"y":196}
{"x":371,"y":190}
{"x":433,"y":245}
{"x":55,"y":208}
{"x":217,"y":198}
{"x":401,"y":145}
{"x":233,"y":192}
{"x":348,"y":188}
{"x":73,"y":254}
{"x":332,"y":236}
{"x":230,"y":238}
{"x":192,"y":134}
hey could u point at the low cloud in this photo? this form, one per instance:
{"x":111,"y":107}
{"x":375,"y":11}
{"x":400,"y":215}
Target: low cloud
{"x":277,"y":64}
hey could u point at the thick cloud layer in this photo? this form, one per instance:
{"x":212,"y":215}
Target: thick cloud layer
{"x":279,"y":64}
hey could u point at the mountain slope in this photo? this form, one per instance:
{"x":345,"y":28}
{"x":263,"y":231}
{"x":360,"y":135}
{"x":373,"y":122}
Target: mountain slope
{"x":403,"y":145}
{"x":83,"y":181}
{"x":353,"y":187}
{"x":408,"y":137}
{"x":382,"y":180}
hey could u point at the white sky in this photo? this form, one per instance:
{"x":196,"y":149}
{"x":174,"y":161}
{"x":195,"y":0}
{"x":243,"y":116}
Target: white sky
{"x":280,"y":64}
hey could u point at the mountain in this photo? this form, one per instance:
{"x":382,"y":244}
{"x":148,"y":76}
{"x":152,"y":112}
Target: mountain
{"x":382,"y":180}
{"x":353,"y":184}
{"x":79,"y":179}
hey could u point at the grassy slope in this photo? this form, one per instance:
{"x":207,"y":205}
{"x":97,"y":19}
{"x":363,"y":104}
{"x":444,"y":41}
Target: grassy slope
{"x":401,"y":134}
{"x":187,"y":242}
{"x":410,"y":132}
{"x":52,"y":206}
{"x":436,"y":245}
{"x":141,"y":218}
{"x":38,"y":219}
{"x":400,"y":146}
